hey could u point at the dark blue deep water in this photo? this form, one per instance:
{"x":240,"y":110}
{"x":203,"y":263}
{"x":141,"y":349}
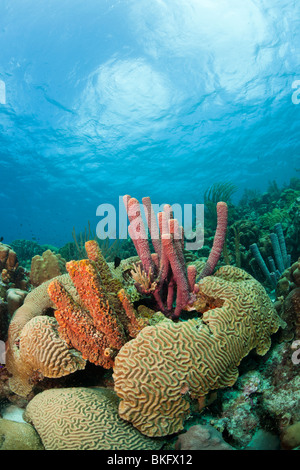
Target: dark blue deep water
{"x":161,"y":98}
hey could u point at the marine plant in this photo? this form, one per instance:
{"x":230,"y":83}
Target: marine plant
{"x":236,"y":252}
{"x":217,"y":192}
{"x":109,"y":250}
{"x":274,"y":190}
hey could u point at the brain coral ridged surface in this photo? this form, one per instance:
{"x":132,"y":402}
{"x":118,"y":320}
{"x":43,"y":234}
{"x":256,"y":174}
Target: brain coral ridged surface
{"x":42,"y":353}
{"x":25,"y":337}
{"x":157,"y":372}
{"x":84,"y":419}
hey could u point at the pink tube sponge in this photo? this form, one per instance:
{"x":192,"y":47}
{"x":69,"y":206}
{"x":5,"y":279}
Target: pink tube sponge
{"x":219,"y":239}
{"x":164,"y":273}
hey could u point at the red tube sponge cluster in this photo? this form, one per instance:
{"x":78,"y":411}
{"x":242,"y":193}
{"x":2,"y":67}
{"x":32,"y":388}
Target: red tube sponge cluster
{"x":219,"y":239}
{"x":164,"y":273}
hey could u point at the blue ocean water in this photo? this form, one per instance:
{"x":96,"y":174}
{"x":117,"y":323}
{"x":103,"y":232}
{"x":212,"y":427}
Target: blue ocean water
{"x":161,"y":98}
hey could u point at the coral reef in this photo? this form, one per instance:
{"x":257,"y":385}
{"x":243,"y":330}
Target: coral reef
{"x":12,"y":299}
{"x":238,"y":417}
{"x":187,"y":351}
{"x":266,"y":398}
{"x":200,"y":355}
{"x":251,"y":222}
{"x":69,"y":251}
{"x":4,"y":320}
{"x":280,"y":401}
{"x":45,"y":267}
{"x":289,"y":311}
{"x":288,"y":301}
{"x":37,"y":302}
{"x":84,"y":419}
{"x":93,"y":317}
{"x":123,"y":274}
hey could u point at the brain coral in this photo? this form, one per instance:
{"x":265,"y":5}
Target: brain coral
{"x":36,"y":304}
{"x":83,"y":419}
{"x":157,"y":372}
{"x":41,"y":353}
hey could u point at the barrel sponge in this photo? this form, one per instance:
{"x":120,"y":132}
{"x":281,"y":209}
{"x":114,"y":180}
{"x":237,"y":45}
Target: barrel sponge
{"x":41,"y":353}
{"x":157,"y":373}
{"x":84,"y":419}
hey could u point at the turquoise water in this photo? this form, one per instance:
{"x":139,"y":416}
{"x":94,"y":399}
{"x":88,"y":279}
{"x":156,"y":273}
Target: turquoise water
{"x":160,"y":98}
